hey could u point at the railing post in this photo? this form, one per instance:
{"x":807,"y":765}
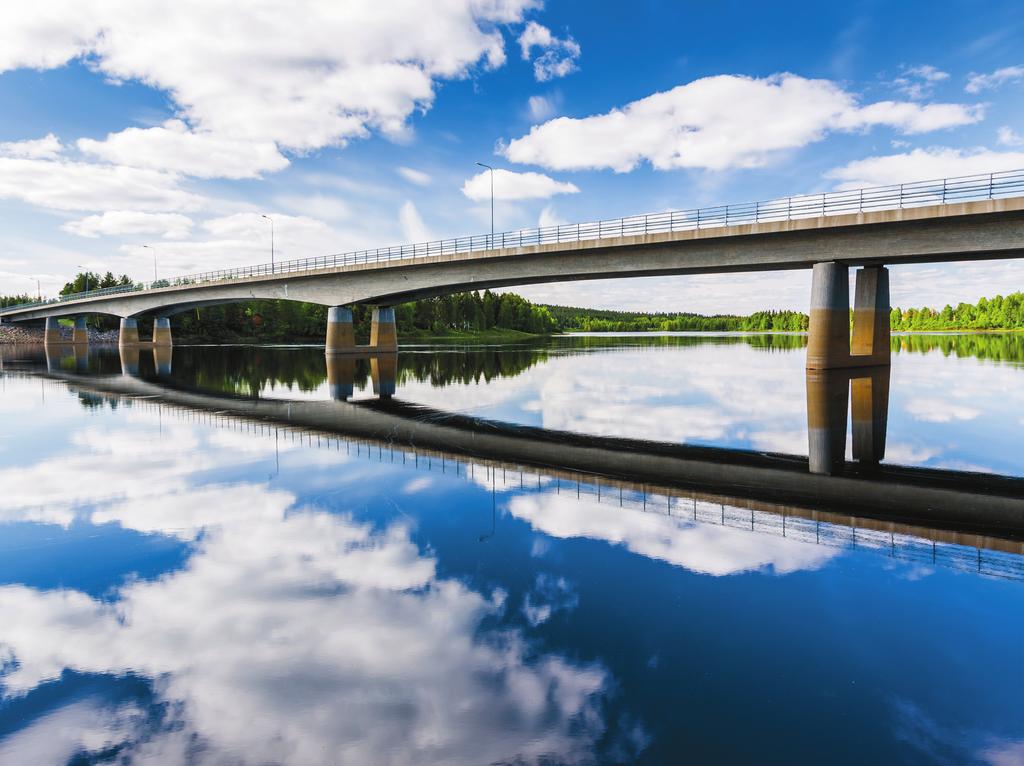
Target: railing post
{"x":991,"y":177}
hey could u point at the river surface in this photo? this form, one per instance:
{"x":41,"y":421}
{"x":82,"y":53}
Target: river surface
{"x":211,"y":557}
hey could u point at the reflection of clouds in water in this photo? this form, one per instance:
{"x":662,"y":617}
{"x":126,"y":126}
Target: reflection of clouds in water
{"x":550,"y":594}
{"x":944,"y":744}
{"x":313,"y":639}
{"x":291,"y":635}
{"x":668,"y":394}
{"x":86,"y":726}
{"x":936,"y":410}
{"x":698,"y":547}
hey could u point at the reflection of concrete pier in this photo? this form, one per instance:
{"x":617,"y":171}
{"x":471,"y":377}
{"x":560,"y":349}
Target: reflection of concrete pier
{"x":129,"y":359}
{"x":162,"y":355}
{"x":828,"y":402}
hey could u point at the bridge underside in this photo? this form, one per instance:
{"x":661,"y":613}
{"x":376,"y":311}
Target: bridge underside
{"x":992,"y":229}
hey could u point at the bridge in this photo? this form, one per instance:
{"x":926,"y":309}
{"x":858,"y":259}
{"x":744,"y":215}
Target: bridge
{"x":967,"y":218}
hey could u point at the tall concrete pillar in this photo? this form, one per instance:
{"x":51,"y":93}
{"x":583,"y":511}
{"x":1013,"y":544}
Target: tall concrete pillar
{"x":384,"y":374}
{"x":341,"y":376}
{"x":129,"y":353}
{"x":162,"y":356}
{"x":383,"y":333}
{"x":162,"y":332}
{"x":81,"y":331}
{"x":827,"y":405}
{"x":51,"y":335}
{"x":871,"y":336}
{"x":341,"y":338}
{"x":828,"y":342}
{"x":870,"y":414}
{"x":129,"y":333}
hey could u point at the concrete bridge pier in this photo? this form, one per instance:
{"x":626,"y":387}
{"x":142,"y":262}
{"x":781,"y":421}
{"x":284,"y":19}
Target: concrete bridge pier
{"x":81,"y":334}
{"x":341,"y":376}
{"x":384,"y":374}
{"x":162,"y":332}
{"x":51,"y":335}
{"x":128,"y":334}
{"x":383,"y":332}
{"x":829,"y":345}
{"x":341,"y":337}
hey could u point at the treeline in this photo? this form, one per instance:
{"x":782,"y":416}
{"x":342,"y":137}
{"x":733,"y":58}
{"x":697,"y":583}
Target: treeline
{"x":289,"y":320}
{"x":14,"y":300}
{"x":997,"y":313}
{"x":574,"y":319}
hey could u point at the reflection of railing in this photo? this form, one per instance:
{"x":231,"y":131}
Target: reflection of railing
{"x":949,"y":190}
{"x":979,"y":554}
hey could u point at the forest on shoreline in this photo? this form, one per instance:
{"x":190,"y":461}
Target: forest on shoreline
{"x":500,"y":316}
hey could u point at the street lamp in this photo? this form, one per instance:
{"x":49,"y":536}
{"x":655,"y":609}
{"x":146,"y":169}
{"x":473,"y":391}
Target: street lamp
{"x":150,"y":247}
{"x":481,"y":164}
{"x":271,"y":240}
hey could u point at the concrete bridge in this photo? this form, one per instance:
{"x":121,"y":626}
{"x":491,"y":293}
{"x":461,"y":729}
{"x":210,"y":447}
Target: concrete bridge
{"x":973,"y":218}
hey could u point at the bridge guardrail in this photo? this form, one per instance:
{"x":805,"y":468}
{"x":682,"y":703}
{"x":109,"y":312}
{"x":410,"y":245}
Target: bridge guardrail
{"x":1009,"y":183}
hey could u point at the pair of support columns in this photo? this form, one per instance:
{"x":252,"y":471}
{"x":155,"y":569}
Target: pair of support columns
{"x":129,"y":332}
{"x":828,"y":345}
{"x":341,"y":337}
{"x":341,"y":375}
{"x":52,"y":334}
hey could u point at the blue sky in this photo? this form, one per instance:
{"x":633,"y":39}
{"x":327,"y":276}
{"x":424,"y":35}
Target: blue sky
{"x":358,"y":124}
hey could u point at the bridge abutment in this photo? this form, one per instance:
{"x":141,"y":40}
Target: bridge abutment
{"x":383,"y":332}
{"x":829,"y":344}
{"x":129,"y":333}
{"x":81,"y":332}
{"x":162,"y":332}
{"x":341,"y":337}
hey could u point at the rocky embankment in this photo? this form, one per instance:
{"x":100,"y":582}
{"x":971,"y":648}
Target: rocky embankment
{"x":13,"y":333}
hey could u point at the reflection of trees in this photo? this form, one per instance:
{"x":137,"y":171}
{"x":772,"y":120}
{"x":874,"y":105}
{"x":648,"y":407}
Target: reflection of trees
{"x":1000,"y":347}
{"x":248,"y":370}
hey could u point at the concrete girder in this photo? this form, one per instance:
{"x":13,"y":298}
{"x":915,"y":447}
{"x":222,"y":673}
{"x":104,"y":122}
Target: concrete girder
{"x":992,"y":229}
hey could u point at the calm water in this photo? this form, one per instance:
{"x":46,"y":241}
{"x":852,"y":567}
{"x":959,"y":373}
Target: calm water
{"x":211,"y":558}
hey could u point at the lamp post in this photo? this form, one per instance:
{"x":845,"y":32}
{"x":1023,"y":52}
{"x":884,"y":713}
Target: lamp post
{"x":271,"y":241}
{"x":153,"y":249}
{"x":481,"y":164}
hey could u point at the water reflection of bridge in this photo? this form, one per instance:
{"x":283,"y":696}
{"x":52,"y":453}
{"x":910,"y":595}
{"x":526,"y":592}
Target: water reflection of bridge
{"x":916,"y":514}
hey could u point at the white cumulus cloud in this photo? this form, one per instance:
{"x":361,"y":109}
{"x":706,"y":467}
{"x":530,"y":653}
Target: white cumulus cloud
{"x":558,"y":56}
{"x":413,"y":227}
{"x":721,"y":122}
{"x":66,"y":185}
{"x":117,"y":222}
{"x":46,"y":148}
{"x":172,"y":146}
{"x":977,"y":83}
{"x":302,"y":75}
{"x":924,"y":165}
{"x":509,"y":185}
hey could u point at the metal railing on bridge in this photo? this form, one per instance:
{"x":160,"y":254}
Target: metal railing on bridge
{"x":1009,"y":183}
